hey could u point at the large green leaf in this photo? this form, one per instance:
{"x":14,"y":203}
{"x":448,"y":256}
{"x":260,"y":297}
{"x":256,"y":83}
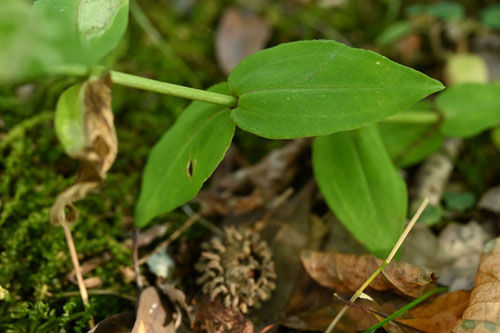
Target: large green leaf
{"x":361,"y":185}
{"x":410,"y":143}
{"x":184,"y":158}
{"x":93,"y":27}
{"x":320,"y":87}
{"x":469,"y":108}
{"x":69,"y":119}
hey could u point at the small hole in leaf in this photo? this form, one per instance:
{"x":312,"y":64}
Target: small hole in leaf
{"x":189,"y":169}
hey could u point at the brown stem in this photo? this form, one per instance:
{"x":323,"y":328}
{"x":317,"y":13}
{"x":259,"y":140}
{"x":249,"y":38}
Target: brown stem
{"x":76,"y":265}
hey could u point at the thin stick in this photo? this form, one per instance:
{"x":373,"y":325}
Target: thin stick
{"x":78,"y":271}
{"x":135,"y":258}
{"x":172,"y":237}
{"x":98,"y":292}
{"x":382,"y":266}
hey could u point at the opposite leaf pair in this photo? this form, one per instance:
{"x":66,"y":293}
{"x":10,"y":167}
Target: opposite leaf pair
{"x":299,"y":90}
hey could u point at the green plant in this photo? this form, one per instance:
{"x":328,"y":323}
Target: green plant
{"x":311,"y":88}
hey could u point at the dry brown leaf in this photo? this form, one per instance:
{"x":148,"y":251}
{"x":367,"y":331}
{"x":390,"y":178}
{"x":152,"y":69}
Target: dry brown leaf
{"x":439,"y":316}
{"x":153,"y":314}
{"x":98,"y":155}
{"x":118,"y":323}
{"x":239,"y":34}
{"x":483,"y":312}
{"x":313,"y":307}
{"x":345,"y":273}
{"x":213,"y":317}
{"x":264,"y":181}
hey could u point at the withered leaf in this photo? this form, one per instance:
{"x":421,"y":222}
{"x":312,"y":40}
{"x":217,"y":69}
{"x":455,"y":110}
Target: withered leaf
{"x":118,"y":323}
{"x":99,"y":148}
{"x":345,"y":273}
{"x":153,"y":313}
{"x":439,"y":316}
{"x":239,"y":34}
{"x":214,"y":317}
{"x":483,"y":314}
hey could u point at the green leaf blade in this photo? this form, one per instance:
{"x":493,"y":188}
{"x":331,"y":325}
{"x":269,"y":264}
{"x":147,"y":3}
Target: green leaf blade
{"x":362,"y":187}
{"x":469,"y":108}
{"x":313,"y":88}
{"x":69,"y":119}
{"x":184,"y":158}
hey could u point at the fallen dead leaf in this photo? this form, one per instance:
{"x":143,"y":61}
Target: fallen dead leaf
{"x":287,"y":233}
{"x":439,"y":316}
{"x":483,"y":314}
{"x":345,"y":273}
{"x":264,"y":181}
{"x":491,"y":200}
{"x":97,"y":156}
{"x":153,"y":313}
{"x":118,"y":323}
{"x":239,"y":34}
{"x":214,"y":317}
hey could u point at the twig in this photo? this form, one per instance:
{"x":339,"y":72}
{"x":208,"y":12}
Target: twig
{"x":135,"y":258}
{"x":382,"y":266}
{"x":172,"y":238}
{"x":203,"y":221}
{"x":76,"y":265}
{"x":98,"y":292}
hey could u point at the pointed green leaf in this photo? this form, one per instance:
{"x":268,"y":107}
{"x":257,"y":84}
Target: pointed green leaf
{"x":69,"y":119}
{"x":184,"y":158}
{"x":362,"y":187}
{"x":320,"y":87}
{"x":469,"y":108}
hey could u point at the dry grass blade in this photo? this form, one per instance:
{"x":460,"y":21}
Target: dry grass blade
{"x":385,"y":263}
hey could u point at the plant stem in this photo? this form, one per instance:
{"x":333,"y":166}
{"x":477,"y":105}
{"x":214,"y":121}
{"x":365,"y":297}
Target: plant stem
{"x":142,"y":83}
{"x":405,"y":308}
{"x":172,"y":89}
{"x":414,"y":117}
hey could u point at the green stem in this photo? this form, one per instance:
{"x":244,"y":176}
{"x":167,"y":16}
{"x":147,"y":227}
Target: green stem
{"x":414,"y":117}
{"x":405,"y":308}
{"x":172,"y":89}
{"x":139,"y":82}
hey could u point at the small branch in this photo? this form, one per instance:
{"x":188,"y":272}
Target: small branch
{"x":172,"y":237}
{"x":76,"y":265}
{"x":385,"y":263}
{"x":135,"y":258}
{"x":98,"y":292}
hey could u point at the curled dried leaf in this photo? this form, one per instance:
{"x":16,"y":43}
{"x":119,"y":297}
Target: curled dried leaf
{"x":347,"y":272}
{"x":482,"y":314}
{"x":89,"y":114}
